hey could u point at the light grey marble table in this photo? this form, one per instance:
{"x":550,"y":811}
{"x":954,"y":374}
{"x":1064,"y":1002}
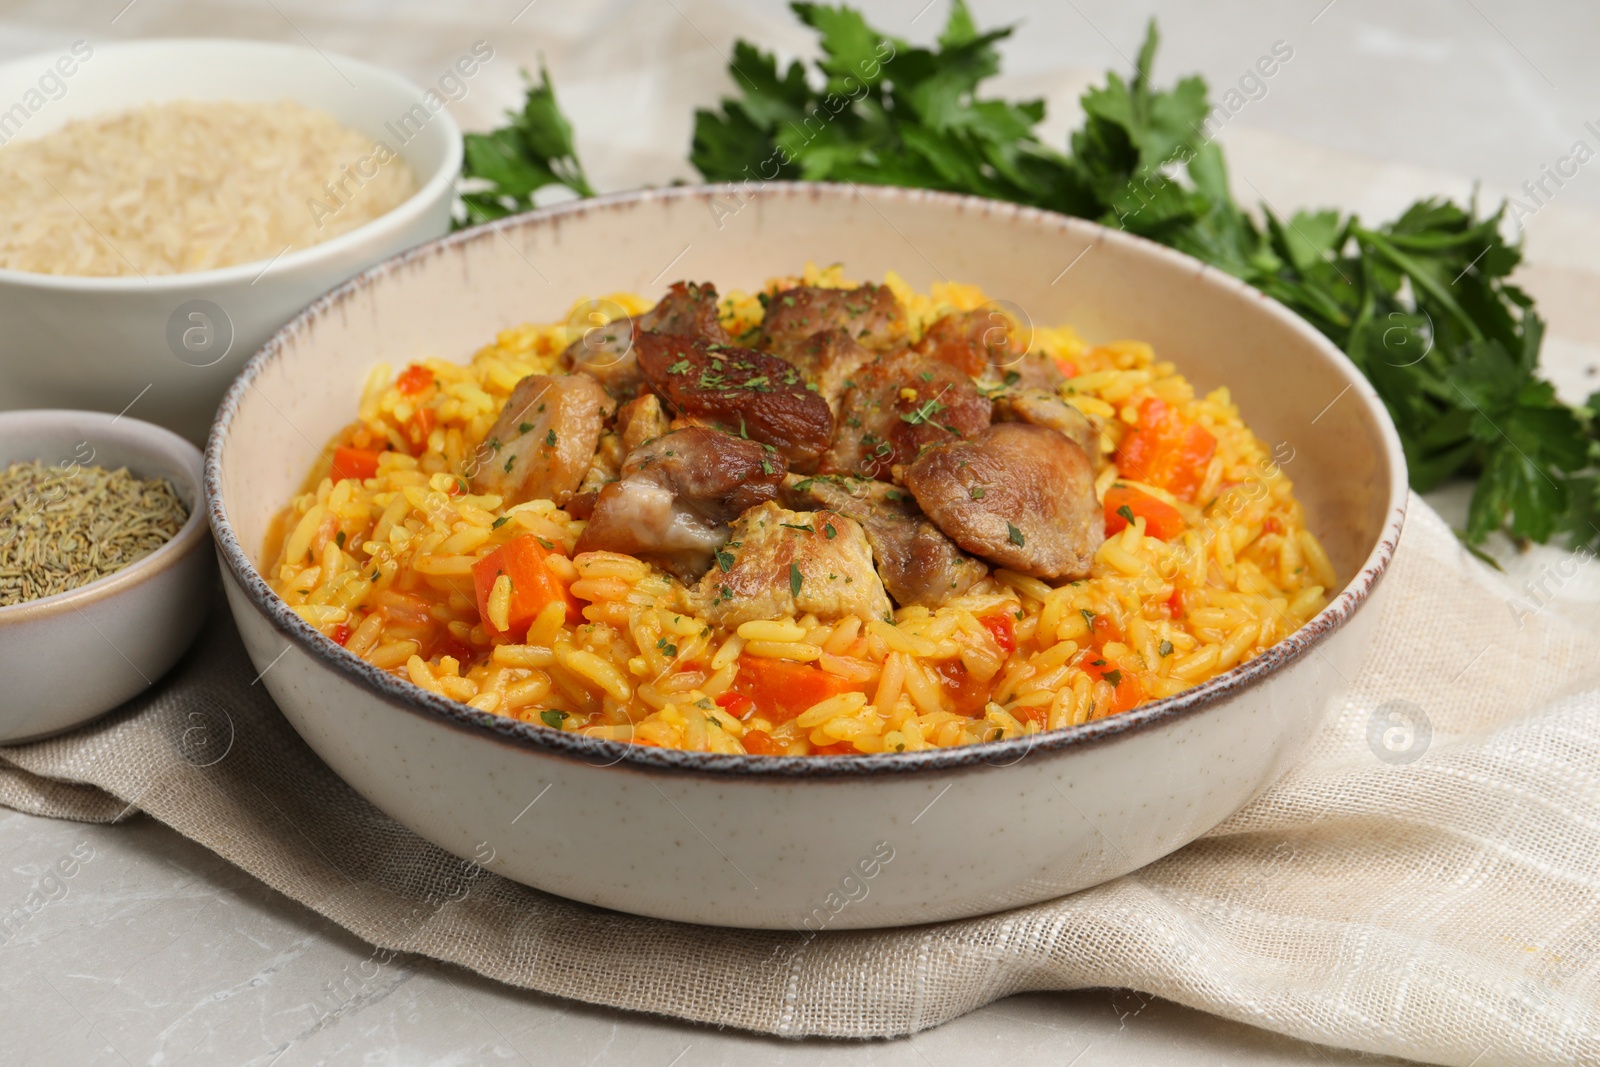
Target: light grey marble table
{"x":158,"y":952}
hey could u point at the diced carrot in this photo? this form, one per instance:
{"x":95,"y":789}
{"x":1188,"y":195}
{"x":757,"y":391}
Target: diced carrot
{"x":533,"y":585}
{"x":782,"y":689}
{"x":843,"y":748}
{"x":1104,"y":629}
{"x":357,"y":463}
{"x":967,"y":695}
{"x":414,"y":379}
{"x":1175,"y":603}
{"x":735,"y":703}
{"x":1067,"y":367}
{"x":760,"y":743}
{"x":1127,"y":690}
{"x":1161,"y":520}
{"x":1271,"y":525}
{"x":340,"y":633}
{"x":1002,"y":626}
{"x":1166,"y":451}
{"x":1039,"y":713}
{"x":418,"y":427}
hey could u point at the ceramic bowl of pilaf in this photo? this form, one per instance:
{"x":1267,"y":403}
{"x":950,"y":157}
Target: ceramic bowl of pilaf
{"x":878,"y":502}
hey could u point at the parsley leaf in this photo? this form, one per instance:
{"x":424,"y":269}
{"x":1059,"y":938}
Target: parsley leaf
{"x":553,"y":718}
{"x":795,"y":579}
{"x":1014,"y":535}
{"x":505,"y":167}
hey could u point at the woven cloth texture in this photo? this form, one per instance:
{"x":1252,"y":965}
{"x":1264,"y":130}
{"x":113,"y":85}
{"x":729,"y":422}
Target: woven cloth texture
{"x":1426,"y":883}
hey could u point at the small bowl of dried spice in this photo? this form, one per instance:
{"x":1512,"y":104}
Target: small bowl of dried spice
{"x":106,"y":571}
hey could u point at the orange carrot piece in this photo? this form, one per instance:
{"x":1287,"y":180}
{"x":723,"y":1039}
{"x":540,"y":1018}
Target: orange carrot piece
{"x":357,"y":463}
{"x":414,"y":380}
{"x":1124,"y":504}
{"x":1167,"y":451}
{"x":782,"y":689}
{"x":533,"y":585}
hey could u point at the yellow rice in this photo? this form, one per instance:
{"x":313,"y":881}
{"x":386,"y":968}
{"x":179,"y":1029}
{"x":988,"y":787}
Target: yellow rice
{"x":385,"y":564}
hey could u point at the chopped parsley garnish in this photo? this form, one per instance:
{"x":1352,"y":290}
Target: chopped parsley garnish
{"x":1127,"y":513}
{"x":548,"y":546}
{"x":1114,"y":677}
{"x":338,"y":538}
{"x":798,"y":526}
{"x":550,"y":439}
{"x":1012,"y":377}
{"x":766,"y":465}
{"x":680,"y":367}
{"x":1165,"y":649}
{"x":977,"y":492}
{"x":501,"y":521}
{"x":926,"y":376}
{"x":829,"y":531}
{"x":510,"y":462}
{"x":1088,"y":616}
{"x":1014,"y":535}
{"x":725,"y":561}
{"x":553,"y":718}
{"x":795,"y":579}
{"x":924,"y":412}
{"x":524,"y":427}
{"x":374,"y":576}
{"x":667,"y":648}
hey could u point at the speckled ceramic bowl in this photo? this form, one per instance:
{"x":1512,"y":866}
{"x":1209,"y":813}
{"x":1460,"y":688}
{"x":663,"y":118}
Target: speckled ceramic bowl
{"x":809,"y":843}
{"x":71,"y":657}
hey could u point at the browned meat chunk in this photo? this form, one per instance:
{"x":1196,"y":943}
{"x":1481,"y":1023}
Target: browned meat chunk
{"x":606,"y":353}
{"x":896,"y":408}
{"x":1046,"y":408}
{"x":544,"y":440}
{"x":828,"y":359}
{"x":640,"y":420}
{"x":676,"y":496}
{"x":1032,"y":370}
{"x":690,"y":310}
{"x":1020,"y":495}
{"x":739,"y":389}
{"x":780,"y":563}
{"x":917,"y":562}
{"x":980,"y":342}
{"x":870,"y":314}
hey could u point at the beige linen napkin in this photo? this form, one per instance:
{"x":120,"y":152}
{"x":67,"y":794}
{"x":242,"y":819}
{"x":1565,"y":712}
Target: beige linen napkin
{"x":1426,"y":884}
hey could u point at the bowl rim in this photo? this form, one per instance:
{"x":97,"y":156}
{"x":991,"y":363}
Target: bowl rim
{"x":405,"y":695}
{"x":428,"y":191}
{"x":138,"y":436}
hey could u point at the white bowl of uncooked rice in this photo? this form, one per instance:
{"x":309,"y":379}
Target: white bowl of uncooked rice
{"x":164,"y":205}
